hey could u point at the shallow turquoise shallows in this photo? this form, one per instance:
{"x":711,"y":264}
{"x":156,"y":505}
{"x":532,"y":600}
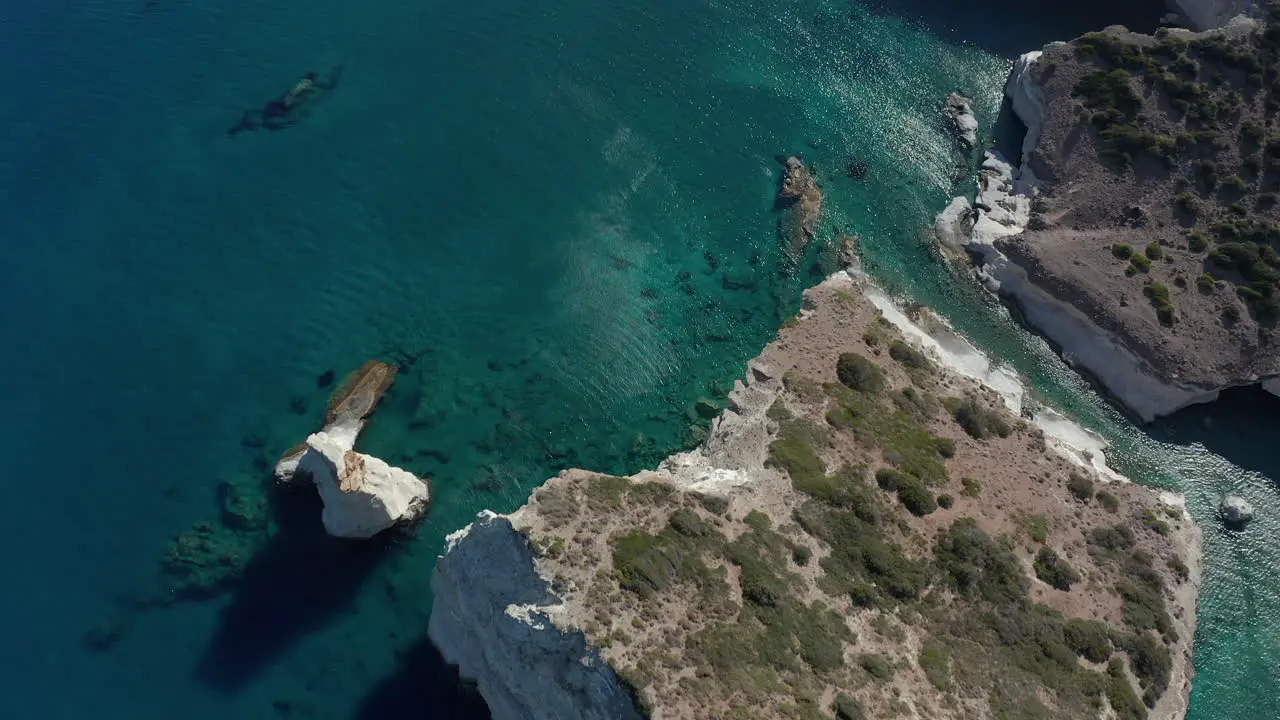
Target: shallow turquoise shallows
{"x":557,"y":215}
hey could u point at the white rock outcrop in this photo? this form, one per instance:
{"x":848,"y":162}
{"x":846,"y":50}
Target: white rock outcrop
{"x":1235,"y":511}
{"x":1209,"y":14}
{"x":1272,"y":386}
{"x":1029,"y":105}
{"x":500,"y":622}
{"x":362,"y":494}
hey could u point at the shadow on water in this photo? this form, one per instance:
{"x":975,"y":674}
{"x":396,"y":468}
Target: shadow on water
{"x":424,"y":686}
{"x":302,"y":579}
{"x":1012,"y":27}
{"x":1242,"y":426}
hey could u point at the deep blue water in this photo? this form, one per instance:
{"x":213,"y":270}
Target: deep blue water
{"x":557,"y":215}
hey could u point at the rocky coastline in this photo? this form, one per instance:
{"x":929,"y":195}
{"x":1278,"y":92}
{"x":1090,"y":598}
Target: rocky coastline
{"x":1049,"y":231}
{"x":771,"y":572}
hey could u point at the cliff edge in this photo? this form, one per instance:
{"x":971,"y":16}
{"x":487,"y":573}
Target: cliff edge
{"x":1139,"y":230}
{"x":866,"y":532}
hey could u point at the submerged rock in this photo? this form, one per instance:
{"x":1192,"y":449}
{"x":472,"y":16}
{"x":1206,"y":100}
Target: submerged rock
{"x":802,"y":197}
{"x":1235,"y":511}
{"x":362,"y":495}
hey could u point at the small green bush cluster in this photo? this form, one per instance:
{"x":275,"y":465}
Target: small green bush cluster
{"x":1185,"y":203}
{"x":858,"y":373}
{"x":1108,"y":501}
{"x":908,"y":356}
{"x":1154,"y":251}
{"x":1080,"y":486}
{"x":1122,"y":250}
{"x":1089,"y":638}
{"x":979,"y":421}
{"x":1138,"y":264}
{"x":1052,"y":569}
{"x":1197,"y":242}
{"x":1206,"y":282}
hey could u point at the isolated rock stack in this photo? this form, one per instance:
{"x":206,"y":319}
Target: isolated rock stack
{"x":362,"y":495}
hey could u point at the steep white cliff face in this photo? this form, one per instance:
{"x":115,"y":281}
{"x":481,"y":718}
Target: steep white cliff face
{"x":1029,"y":105}
{"x":500,"y":623}
{"x":1209,"y":14}
{"x":362,"y":494}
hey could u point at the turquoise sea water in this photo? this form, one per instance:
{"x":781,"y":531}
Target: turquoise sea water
{"x":556,"y":215}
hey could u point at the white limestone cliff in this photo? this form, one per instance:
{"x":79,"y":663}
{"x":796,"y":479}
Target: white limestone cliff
{"x":362,"y":494}
{"x":1209,"y":14}
{"x":1029,"y":105}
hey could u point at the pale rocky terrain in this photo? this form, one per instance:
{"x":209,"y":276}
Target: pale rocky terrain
{"x":770,"y":573}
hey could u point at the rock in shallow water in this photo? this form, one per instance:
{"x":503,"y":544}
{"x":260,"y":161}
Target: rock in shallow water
{"x":1235,"y":511}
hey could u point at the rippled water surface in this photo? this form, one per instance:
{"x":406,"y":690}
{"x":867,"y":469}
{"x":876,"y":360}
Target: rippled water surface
{"x":557,"y":216}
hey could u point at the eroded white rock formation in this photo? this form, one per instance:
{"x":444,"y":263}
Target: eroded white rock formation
{"x":1029,"y":105}
{"x":496,"y":618}
{"x":362,"y":494}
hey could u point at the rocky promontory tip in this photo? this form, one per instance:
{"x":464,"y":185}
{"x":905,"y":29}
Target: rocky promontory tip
{"x":865,"y":533}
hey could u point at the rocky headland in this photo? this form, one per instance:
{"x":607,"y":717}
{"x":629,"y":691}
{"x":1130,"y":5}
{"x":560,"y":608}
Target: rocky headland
{"x":868,"y":531}
{"x":1139,"y":229}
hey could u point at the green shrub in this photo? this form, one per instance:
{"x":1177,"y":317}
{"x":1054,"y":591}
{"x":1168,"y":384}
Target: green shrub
{"x":945,"y":501}
{"x":858,"y":373}
{"x":689,"y":523}
{"x":1155,"y":523}
{"x":915,"y":497}
{"x":1230,"y":313}
{"x":946,"y":447}
{"x":970,"y":487}
{"x":1197,"y":242}
{"x":1080,"y":486}
{"x":1120,"y":695}
{"x":876,"y":665}
{"x":1116,"y":538}
{"x":1185,"y":202}
{"x":1108,"y":501}
{"x":1156,"y":292}
{"x":889,"y":479}
{"x":908,"y":356}
{"x":979,"y":421}
{"x":1055,"y":571}
{"x":1154,"y":251}
{"x":1123,"y":251}
{"x":977,"y":565}
{"x":934,"y":662}
{"x":1234,"y":183}
{"x":1151,"y":664}
{"x":1179,"y":568}
{"x":1166,"y":313}
{"x":1140,"y":263}
{"x":1110,"y":92}
{"x":801,"y":554}
{"x":1206,"y":282}
{"x":793,"y":452}
{"x":848,"y":708}
{"x":1090,"y":639}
